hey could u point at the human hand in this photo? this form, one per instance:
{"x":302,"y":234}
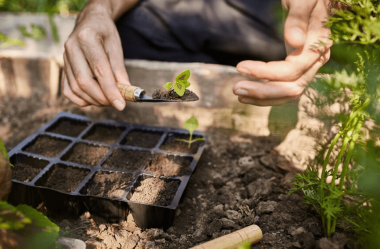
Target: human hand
{"x":286,"y":80}
{"x":94,"y":61}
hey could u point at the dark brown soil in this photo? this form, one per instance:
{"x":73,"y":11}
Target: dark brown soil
{"x":47,"y":146}
{"x":127,"y":159}
{"x":164,"y":165}
{"x":172,"y":95}
{"x":155,"y":191}
{"x":108,"y":184}
{"x":68,"y":127}
{"x":103,"y":133}
{"x":144,"y":139}
{"x":64,"y":178}
{"x":85,"y":154}
{"x":25,"y":172}
{"x":170,"y":144}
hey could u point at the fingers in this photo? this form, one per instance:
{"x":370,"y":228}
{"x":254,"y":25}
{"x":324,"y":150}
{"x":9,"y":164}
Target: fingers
{"x":73,"y":85}
{"x":66,"y":91}
{"x":276,"y":92}
{"x":297,"y":21}
{"x":92,"y":47}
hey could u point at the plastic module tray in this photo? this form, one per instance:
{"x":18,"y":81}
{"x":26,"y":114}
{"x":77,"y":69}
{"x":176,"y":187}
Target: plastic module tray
{"x":49,"y":158}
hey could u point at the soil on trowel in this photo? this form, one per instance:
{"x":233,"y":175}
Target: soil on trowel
{"x":155,"y":191}
{"x":103,"y":133}
{"x":25,"y":172}
{"x":108,"y":184}
{"x":164,"y":165}
{"x":144,"y":139}
{"x":172,"y":95}
{"x":47,"y":146}
{"x":127,"y":159}
{"x":85,"y":154}
{"x":64,"y":178}
{"x":172,"y":145}
{"x":68,"y":127}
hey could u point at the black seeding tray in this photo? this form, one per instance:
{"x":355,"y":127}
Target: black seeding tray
{"x":74,"y":164}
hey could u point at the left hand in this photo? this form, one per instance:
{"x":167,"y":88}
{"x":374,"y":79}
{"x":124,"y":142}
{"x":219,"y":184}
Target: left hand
{"x":285,"y":81}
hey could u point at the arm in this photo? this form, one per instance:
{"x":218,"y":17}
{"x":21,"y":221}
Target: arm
{"x":94,"y":57}
{"x":286,"y":80}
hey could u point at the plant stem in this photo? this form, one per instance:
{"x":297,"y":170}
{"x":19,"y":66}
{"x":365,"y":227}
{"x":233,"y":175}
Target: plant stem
{"x":191,"y":139}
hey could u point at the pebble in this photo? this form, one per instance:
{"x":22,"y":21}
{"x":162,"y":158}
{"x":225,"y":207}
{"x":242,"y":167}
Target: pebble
{"x":233,"y":215}
{"x":246,"y":161}
{"x":266,"y":207}
{"x":298,"y":231}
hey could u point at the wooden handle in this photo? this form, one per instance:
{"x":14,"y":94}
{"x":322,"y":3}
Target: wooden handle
{"x":127,"y":91}
{"x":251,"y":234}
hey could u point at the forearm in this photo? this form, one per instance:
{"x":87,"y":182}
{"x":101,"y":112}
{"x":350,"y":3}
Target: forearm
{"x":107,"y":8}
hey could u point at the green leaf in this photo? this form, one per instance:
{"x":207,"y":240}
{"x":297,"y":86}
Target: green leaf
{"x":3,"y":152}
{"x":186,"y":84}
{"x":179,"y":88}
{"x":191,"y":124}
{"x":184,"y":76}
{"x":37,"y":33}
{"x":197,"y":139}
{"x":11,"y":218}
{"x":168,"y":85}
{"x":54,"y":29}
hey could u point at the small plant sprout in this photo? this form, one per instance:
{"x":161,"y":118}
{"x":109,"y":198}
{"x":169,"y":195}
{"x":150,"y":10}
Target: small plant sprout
{"x":180,"y":84}
{"x":191,"y":124}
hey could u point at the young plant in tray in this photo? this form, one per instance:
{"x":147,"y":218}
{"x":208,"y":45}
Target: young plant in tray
{"x":180,"y":84}
{"x":191,"y":125}
{"x":347,"y":198}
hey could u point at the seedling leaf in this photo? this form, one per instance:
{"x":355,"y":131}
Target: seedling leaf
{"x":191,"y":124}
{"x":198,"y":139}
{"x":184,"y":76}
{"x":179,"y":88}
{"x":3,"y":152}
{"x":168,"y":85}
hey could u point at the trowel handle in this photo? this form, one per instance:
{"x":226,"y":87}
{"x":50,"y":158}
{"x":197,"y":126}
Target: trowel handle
{"x":130,"y":93}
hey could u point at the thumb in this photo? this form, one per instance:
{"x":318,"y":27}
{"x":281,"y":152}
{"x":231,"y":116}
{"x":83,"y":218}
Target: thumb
{"x":297,"y":21}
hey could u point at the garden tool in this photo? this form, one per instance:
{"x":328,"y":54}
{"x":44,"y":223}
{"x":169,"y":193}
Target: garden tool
{"x":136,"y":94}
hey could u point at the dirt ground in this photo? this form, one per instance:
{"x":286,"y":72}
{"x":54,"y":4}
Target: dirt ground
{"x":240,"y":180}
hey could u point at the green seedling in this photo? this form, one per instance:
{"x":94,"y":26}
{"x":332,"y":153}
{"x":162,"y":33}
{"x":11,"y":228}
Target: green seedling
{"x":180,"y":84}
{"x":191,"y":124}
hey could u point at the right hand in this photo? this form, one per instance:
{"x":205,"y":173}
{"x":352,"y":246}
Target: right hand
{"x":94,"y":61}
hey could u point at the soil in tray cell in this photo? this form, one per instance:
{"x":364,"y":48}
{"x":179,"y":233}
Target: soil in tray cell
{"x":85,"y":154}
{"x":104,"y":133}
{"x":26,"y":168}
{"x":107,"y":184}
{"x":47,"y":146}
{"x":68,"y":127}
{"x":168,"y":165}
{"x":155,"y":191}
{"x":141,"y":138}
{"x":127,"y":159}
{"x":172,"y":145}
{"x":63,"y":178}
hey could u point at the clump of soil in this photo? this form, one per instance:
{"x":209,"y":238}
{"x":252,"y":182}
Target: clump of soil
{"x":127,"y":159}
{"x":64,"y":178}
{"x":155,"y":191}
{"x":144,"y":139}
{"x":47,"y":146}
{"x":172,"y":95}
{"x":104,"y":133}
{"x":68,"y":127}
{"x":85,"y":154}
{"x":164,"y":165}
{"x":25,"y":172}
{"x":108,"y":184}
{"x":172,"y":145}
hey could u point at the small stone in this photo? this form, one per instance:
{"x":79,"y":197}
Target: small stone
{"x":325,"y":243}
{"x":233,"y":215}
{"x":246,"y":161}
{"x":299,"y":230}
{"x":160,"y":241}
{"x":266,"y":207}
{"x":177,"y":212}
{"x":228,"y":223}
{"x":218,"y":207}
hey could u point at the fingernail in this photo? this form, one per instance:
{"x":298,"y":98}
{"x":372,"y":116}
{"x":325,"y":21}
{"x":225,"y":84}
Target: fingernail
{"x":118,"y":105}
{"x":241,"y":92}
{"x":243,"y":70}
{"x":247,"y":101}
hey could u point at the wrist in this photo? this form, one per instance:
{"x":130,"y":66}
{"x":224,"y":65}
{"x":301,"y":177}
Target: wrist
{"x":98,"y":8}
